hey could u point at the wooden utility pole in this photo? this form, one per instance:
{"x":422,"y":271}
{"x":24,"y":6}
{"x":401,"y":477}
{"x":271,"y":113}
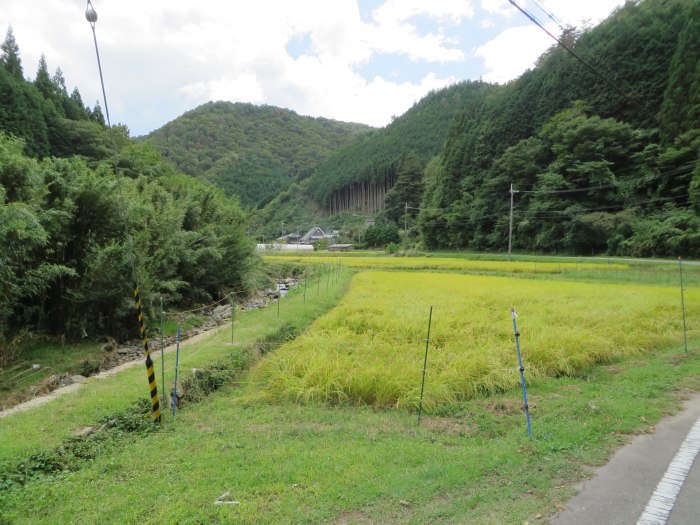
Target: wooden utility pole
{"x":510,"y":229}
{"x":405,"y":227}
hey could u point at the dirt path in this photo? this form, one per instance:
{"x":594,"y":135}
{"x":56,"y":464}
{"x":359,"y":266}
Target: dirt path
{"x":46,"y":398}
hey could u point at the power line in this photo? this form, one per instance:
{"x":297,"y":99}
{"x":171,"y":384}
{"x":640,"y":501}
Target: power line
{"x":551,"y":16}
{"x":595,"y":71}
{"x":678,"y":170}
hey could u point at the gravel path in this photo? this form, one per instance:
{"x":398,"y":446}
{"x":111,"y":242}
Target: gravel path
{"x":42,"y":400}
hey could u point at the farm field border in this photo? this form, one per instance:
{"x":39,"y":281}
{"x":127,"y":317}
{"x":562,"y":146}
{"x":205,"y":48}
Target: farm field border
{"x":469,"y":463}
{"x":579,"y":269}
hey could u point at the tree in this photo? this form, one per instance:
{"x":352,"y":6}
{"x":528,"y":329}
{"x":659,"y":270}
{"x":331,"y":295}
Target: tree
{"x":10,"y":55}
{"x":680,"y":111}
{"x":408,"y":189}
{"x":43,"y":81}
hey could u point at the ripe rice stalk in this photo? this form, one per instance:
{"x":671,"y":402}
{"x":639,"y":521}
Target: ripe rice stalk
{"x":369,"y":350}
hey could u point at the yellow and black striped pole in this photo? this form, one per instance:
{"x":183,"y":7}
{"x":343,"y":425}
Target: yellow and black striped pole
{"x":149,"y":362}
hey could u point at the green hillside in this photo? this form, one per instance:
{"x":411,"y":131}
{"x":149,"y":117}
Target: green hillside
{"x":374,"y":156}
{"x":601,"y":164}
{"x":75,"y":236}
{"x":421,"y":130}
{"x":251,"y":151}
{"x":601,"y":149}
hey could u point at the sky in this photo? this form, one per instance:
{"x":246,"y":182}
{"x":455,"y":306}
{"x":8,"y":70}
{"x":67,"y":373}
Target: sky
{"x":351,"y":60}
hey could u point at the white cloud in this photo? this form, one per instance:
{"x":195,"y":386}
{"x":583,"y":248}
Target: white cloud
{"x":161,"y":59}
{"x":402,"y":10}
{"x":516,"y":49}
{"x":512,"y":52}
{"x":498,"y":7}
{"x":244,"y":87}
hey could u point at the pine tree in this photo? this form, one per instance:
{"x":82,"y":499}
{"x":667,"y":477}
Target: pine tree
{"x":680,"y":111}
{"x":10,"y":55}
{"x":43,"y":80}
{"x":407,"y":191}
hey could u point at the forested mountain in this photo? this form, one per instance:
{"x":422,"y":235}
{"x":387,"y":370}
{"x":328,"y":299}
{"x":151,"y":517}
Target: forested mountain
{"x":601,"y":150}
{"x":421,"y":130}
{"x":255,"y":152}
{"x":599,"y":166}
{"x":42,"y":113}
{"x":376,"y":156}
{"x":67,"y":265}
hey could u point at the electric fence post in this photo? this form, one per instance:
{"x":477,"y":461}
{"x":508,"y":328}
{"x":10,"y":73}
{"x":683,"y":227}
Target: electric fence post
{"x":304,"y":287}
{"x":425,"y":365}
{"x":233,"y":313}
{"x":177,"y":361}
{"x":522,"y":371}
{"x":162,"y":352}
{"x":685,"y":330}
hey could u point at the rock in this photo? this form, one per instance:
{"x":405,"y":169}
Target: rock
{"x":86,"y":431}
{"x":110,"y":345}
{"x":221,"y":312}
{"x":71,"y":380}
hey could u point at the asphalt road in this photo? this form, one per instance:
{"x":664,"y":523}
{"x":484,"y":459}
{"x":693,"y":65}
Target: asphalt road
{"x":621,"y":490}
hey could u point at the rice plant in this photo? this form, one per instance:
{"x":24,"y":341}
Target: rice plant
{"x":447,"y":264}
{"x":369,"y":349}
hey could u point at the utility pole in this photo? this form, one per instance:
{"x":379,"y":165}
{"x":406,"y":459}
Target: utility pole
{"x":510,"y":229}
{"x":405,"y":227}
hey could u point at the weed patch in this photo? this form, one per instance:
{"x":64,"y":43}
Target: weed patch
{"x":74,"y":451}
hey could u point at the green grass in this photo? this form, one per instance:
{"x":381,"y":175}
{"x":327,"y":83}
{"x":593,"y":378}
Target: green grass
{"x":470,"y":461}
{"x":56,"y":358}
{"x":46,"y":426}
{"x":17,"y":378}
{"x":545,"y":267}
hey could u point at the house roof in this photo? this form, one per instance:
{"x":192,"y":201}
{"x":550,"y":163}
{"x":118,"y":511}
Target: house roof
{"x":313,"y":233}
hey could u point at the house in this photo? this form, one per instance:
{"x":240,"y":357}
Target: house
{"x":291,"y":238}
{"x":276,"y":247}
{"x":313,"y":235}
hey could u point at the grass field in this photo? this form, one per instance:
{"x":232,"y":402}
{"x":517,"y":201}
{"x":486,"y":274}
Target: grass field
{"x":445,"y":263}
{"x":659,"y":273}
{"x":370,"y":349}
{"x":604,"y":361}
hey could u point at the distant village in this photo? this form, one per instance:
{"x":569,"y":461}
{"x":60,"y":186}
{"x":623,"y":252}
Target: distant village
{"x":294,"y":242}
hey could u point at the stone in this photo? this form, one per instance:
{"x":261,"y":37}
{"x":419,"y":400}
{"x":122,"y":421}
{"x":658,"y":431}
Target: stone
{"x":71,"y":380}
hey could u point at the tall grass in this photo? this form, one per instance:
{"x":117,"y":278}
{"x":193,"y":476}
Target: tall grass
{"x":447,"y":263}
{"x":369,"y":350}
{"x":660,"y":273}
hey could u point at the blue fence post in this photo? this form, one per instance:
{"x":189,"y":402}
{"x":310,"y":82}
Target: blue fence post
{"x":522,"y":371}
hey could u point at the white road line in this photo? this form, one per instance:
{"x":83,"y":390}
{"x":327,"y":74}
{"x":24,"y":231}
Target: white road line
{"x":662,"y":501}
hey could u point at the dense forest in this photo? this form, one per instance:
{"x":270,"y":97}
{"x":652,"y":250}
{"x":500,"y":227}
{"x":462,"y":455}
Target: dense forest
{"x":67,"y":265}
{"x":598,"y":163}
{"x":376,"y":157}
{"x":254,"y":152}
